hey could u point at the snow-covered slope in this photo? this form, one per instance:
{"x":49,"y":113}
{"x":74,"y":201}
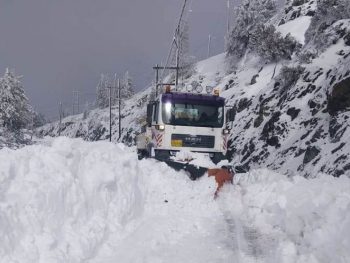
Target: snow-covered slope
{"x":67,"y":200}
{"x":94,"y":125}
{"x":291,"y":116}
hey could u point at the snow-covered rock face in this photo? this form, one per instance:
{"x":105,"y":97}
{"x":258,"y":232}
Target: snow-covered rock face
{"x":291,"y":116}
{"x":67,"y":200}
{"x":295,"y":128}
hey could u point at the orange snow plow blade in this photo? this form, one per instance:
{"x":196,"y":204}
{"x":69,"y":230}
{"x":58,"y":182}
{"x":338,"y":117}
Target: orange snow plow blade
{"x":222,"y":176}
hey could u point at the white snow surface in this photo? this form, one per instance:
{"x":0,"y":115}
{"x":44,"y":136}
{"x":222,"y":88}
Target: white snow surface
{"x":297,"y":28}
{"x":67,"y":200}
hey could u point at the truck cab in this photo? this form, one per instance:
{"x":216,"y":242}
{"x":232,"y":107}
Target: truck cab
{"x":184,"y":121}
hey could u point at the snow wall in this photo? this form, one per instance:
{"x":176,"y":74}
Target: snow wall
{"x":72,"y":201}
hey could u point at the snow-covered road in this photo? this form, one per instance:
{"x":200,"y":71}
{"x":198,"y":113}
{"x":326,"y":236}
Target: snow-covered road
{"x":72,"y":201}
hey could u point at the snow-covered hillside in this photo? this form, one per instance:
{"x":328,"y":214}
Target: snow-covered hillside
{"x":94,"y":125}
{"x":292,"y":116}
{"x":67,"y":200}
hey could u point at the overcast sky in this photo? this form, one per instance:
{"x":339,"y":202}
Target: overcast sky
{"x":62,"y":45}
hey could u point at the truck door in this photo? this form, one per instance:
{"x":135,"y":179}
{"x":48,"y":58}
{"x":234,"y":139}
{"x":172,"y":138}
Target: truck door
{"x":152,"y":114}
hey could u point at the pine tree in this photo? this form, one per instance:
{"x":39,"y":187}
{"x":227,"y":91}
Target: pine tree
{"x":248,"y":15}
{"x":127,"y":90}
{"x":102,"y":99}
{"x":270,"y":45}
{"x":15,"y":111}
{"x":38,"y":120}
{"x":187,"y":61}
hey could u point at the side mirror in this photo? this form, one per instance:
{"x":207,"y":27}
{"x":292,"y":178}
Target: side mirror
{"x":149,"y":114}
{"x":230,"y":115}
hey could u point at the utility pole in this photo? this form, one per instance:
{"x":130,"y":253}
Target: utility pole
{"x":60,"y":113}
{"x":209,"y":46}
{"x":119,"y":110}
{"x":157,"y":79}
{"x":176,"y":42}
{"x":158,"y":84}
{"x":178,"y":45}
{"x":177,"y":61}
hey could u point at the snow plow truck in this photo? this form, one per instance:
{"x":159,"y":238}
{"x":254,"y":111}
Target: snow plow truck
{"x":179,"y":122}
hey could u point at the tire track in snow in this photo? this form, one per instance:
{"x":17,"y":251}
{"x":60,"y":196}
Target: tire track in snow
{"x":247,"y":242}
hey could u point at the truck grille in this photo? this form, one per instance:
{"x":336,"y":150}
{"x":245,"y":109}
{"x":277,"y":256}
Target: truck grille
{"x":199,"y":141}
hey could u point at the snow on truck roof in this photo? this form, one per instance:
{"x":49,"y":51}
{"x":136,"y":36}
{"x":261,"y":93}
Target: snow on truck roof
{"x":193,"y":98}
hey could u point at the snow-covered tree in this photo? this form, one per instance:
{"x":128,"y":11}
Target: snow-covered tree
{"x":102,"y":99}
{"x":187,"y":61}
{"x":270,"y":45}
{"x":249,"y":14}
{"x":127,"y":88}
{"x":251,"y":32}
{"x":106,"y":82}
{"x":184,"y":40}
{"x":328,"y":12}
{"x":39,"y":120}
{"x":15,"y":110}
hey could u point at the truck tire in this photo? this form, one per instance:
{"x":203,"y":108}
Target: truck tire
{"x":141,"y":154}
{"x":149,"y":149}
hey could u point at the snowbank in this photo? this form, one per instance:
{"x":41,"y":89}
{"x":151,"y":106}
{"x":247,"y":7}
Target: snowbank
{"x":74,"y":201}
{"x":292,"y":219}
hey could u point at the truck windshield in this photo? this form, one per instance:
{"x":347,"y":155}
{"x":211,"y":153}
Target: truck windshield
{"x":191,"y":114}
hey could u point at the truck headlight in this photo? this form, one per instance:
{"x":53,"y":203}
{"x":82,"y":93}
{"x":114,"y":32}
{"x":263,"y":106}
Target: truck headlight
{"x":160,"y":127}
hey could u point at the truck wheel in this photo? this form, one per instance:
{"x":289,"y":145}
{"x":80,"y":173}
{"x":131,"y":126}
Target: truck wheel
{"x":141,"y":154}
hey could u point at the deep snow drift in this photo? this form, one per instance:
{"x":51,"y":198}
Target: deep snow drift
{"x":72,"y":201}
